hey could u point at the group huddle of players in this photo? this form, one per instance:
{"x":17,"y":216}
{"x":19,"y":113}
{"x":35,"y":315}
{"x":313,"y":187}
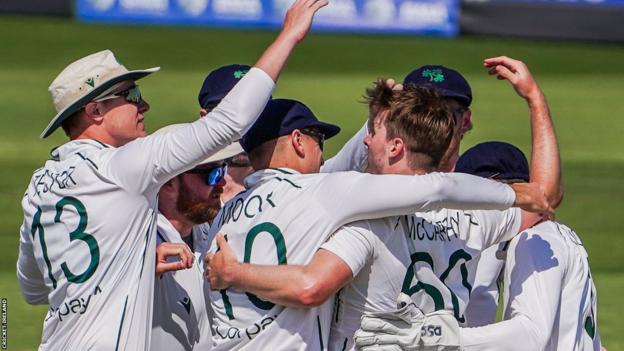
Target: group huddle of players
{"x":233,"y":233}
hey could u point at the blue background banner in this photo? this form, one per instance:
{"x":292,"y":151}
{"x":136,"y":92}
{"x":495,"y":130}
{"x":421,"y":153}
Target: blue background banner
{"x":435,"y":17}
{"x":596,"y":3}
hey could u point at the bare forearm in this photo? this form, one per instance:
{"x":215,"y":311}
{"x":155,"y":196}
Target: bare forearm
{"x":545,"y":161}
{"x":275,"y":56}
{"x":286,"y":285}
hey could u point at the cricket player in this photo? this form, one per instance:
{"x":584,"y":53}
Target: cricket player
{"x":381,"y":256}
{"x":483,"y":303}
{"x":550,"y":300}
{"x":457,"y":94}
{"x":288,"y":211}
{"x":87,"y":243}
{"x":186,"y":205}
{"x":219,"y":82}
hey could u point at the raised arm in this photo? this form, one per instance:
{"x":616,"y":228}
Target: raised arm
{"x":545,"y":162}
{"x":148,"y":162}
{"x":296,"y":26}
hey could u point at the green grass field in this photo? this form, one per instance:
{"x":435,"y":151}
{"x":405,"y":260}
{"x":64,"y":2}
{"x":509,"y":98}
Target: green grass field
{"x":583,"y":82}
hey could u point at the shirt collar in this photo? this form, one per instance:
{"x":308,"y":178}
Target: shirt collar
{"x":266,"y":174}
{"x":80,"y":145}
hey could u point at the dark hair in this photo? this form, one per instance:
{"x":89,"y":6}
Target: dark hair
{"x":418,"y":115}
{"x":70,"y":122}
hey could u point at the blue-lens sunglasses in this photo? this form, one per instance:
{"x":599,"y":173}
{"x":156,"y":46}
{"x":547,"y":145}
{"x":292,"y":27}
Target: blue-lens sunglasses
{"x":212,"y":175}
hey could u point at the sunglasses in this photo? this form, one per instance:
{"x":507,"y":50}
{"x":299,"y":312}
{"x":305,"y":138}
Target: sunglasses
{"x":132,"y":95}
{"x":316,"y":134}
{"x":212,"y":176}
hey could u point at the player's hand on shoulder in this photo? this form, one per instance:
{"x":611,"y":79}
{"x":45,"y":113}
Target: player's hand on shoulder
{"x":166,"y":250}
{"x":530,"y":197}
{"x":299,"y":17}
{"x":221,"y":267}
{"x":517,"y":73}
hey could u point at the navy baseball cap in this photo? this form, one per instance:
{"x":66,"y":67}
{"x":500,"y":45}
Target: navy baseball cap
{"x":280,"y":117}
{"x":219,"y":82}
{"x":449,"y":82}
{"x":495,"y":160}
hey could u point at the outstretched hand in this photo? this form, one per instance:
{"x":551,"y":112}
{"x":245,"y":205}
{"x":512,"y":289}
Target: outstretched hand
{"x":517,"y":73}
{"x":296,"y":26}
{"x":166,"y":250}
{"x":299,"y":18}
{"x":221,"y":266}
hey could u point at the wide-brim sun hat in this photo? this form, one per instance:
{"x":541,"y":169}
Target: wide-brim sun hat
{"x":83,"y":81}
{"x":229,"y":151}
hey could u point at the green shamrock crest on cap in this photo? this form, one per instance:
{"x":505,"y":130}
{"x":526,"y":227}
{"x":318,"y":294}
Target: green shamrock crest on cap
{"x":435,"y":75}
{"x":90,"y":82}
{"x":240,"y":74}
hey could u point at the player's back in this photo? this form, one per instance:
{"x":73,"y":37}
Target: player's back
{"x":81,"y":227}
{"x":442,"y":247}
{"x":279,"y":219}
{"x":552,"y":251}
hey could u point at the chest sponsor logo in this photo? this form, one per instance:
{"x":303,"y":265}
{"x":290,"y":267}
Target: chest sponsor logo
{"x":75,"y":306}
{"x":227,"y":332}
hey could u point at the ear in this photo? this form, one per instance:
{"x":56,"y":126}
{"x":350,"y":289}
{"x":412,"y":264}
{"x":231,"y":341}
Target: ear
{"x":203,"y":113}
{"x":171,"y":186}
{"x":94,"y":113}
{"x":396,"y":147}
{"x":296,"y":139}
{"x":467,"y":123}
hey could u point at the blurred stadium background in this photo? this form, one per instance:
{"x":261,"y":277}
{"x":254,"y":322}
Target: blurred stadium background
{"x":574,"y":48}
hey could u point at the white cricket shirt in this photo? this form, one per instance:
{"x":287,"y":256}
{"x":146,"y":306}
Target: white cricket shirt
{"x":87,"y":244}
{"x":483,"y":305}
{"x":550,"y":297}
{"x":284,"y":217}
{"x":181,"y":302}
{"x":427,"y":256}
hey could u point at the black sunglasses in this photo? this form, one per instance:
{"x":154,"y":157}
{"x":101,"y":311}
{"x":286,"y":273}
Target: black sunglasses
{"x":316,"y":134}
{"x":212,"y":175}
{"x":132,"y":95}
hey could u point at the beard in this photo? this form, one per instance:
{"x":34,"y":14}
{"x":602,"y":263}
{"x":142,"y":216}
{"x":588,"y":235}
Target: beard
{"x":195,"y":209}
